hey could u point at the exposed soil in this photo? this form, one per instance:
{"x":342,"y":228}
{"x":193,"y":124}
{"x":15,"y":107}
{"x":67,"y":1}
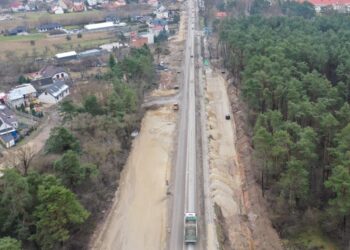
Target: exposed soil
{"x":139,"y":214}
{"x":138,"y":218}
{"x":225,"y":176}
{"x":243,"y":219}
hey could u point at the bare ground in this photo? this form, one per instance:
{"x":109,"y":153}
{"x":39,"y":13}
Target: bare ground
{"x":138,"y":218}
{"x":233,"y":189}
{"x":139,"y":214}
{"x":225,"y":176}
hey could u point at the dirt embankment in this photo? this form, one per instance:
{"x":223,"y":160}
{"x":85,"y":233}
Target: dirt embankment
{"x":244,"y":223}
{"x":225,"y":175}
{"x":264,"y":235}
{"x":138,"y":218}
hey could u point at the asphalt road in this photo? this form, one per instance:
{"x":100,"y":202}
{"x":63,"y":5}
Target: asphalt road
{"x":184,"y":186}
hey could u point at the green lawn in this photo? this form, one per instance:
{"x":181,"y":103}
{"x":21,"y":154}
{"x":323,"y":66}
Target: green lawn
{"x":38,"y":16}
{"x":72,"y":27}
{"x":22,"y":38}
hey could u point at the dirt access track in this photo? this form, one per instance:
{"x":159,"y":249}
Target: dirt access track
{"x":35,"y":142}
{"x":138,"y":218}
{"x":245,"y":223}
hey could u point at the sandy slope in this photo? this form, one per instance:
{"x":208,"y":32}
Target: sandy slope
{"x":225,"y":176}
{"x":245,"y":220}
{"x":138,"y":218}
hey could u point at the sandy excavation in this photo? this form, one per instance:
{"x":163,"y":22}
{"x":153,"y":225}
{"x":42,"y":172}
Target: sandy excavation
{"x":138,"y":218}
{"x":225,"y":177}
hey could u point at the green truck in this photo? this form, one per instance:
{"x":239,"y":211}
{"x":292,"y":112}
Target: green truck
{"x":190,"y":228}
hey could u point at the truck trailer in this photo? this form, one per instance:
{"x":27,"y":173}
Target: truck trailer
{"x":190,"y":228}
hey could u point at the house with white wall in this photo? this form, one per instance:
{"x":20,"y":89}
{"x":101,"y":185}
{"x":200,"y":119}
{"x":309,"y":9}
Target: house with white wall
{"x":8,"y":125}
{"x":54,"y":93}
{"x":21,"y":95}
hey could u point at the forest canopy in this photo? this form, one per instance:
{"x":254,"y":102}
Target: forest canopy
{"x":294,"y":73}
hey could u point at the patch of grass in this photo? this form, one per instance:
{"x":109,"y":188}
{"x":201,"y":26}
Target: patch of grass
{"x":36,"y":16}
{"x":313,"y":238}
{"x":72,"y":27}
{"x":29,"y":37}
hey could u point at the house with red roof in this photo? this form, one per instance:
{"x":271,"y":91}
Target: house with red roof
{"x":17,"y":6}
{"x":138,"y":42}
{"x":220,"y":14}
{"x":79,"y":6}
{"x":339,"y":5}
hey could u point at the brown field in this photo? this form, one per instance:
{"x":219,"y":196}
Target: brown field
{"x":53,"y":45}
{"x":33,"y":19}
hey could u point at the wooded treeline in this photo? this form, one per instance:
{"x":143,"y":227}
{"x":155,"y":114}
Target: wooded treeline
{"x":294,"y":74}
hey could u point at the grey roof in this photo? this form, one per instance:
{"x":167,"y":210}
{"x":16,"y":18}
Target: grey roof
{"x":7,"y":115}
{"x":91,"y":52}
{"x":7,"y":137}
{"x":20,"y":91}
{"x":49,"y":26}
{"x":42,"y":83}
{"x":56,"y":88}
{"x":50,"y":71}
{"x":5,"y":130}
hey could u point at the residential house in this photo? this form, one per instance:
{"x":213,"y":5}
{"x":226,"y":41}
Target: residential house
{"x":113,"y":5}
{"x":112,"y":18}
{"x":65,"y":5}
{"x":8,"y":126}
{"x":149,"y":36}
{"x":17,"y":6}
{"x":119,"y":3}
{"x":138,"y":42}
{"x":338,"y":5}
{"x":49,"y":75}
{"x":8,"y":116}
{"x":220,"y":14}
{"x":91,"y":3}
{"x":55,"y":93}
{"x":8,"y":134}
{"x":21,"y":95}
{"x":156,"y":29}
{"x":31,"y":6}
{"x":161,"y":12}
{"x":158,"y":22}
{"x":16,"y":31}
{"x":57,"y":10}
{"x":49,"y":27}
{"x":153,"y":3}
{"x":79,"y":6}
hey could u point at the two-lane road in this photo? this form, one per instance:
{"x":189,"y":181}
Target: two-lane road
{"x":184,"y":190}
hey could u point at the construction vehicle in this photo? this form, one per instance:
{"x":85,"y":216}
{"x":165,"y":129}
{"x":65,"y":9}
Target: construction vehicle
{"x":190,"y":228}
{"x":175,"y":106}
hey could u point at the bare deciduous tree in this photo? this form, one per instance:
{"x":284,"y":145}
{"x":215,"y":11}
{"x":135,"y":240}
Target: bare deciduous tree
{"x":23,"y":157}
